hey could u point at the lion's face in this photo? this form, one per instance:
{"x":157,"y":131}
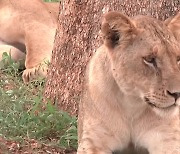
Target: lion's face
{"x":145,"y":58}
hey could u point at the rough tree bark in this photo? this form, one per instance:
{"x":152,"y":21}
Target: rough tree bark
{"x":78,"y":37}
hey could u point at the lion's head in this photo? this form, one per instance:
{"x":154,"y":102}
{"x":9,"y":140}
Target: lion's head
{"x":145,"y":57}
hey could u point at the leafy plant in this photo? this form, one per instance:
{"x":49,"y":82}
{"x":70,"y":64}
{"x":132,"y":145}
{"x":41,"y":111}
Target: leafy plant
{"x":8,"y":65}
{"x":21,"y":114}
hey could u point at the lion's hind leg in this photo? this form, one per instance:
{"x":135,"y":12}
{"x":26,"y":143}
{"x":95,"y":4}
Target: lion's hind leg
{"x":39,"y":46}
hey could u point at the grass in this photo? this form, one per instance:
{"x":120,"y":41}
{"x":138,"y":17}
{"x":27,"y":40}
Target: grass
{"x":21,"y":115}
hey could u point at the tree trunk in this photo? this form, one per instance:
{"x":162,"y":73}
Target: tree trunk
{"x":78,"y":37}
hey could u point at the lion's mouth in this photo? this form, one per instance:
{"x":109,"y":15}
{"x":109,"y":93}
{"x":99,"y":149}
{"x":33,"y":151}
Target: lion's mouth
{"x":157,"y":106}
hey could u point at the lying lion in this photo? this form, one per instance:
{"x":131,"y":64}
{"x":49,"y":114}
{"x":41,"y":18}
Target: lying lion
{"x":132,"y":88}
{"x":28,"y":26}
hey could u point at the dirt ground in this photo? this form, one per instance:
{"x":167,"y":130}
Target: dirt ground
{"x":30,"y":147}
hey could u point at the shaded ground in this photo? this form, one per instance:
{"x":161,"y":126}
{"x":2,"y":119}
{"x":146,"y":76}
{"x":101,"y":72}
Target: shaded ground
{"x":30,"y":147}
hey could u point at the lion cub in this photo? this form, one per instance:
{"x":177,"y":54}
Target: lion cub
{"x":132,"y":88}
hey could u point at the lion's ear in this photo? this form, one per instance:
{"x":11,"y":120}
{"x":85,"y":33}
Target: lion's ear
{"x":174,"y":25}
{"x":117,"y":27}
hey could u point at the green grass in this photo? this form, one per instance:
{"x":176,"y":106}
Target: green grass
{"x":21,"y":114}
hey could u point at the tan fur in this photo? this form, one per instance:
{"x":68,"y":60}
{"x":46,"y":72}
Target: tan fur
{"x":29,"y":26}
{"x":132,"y":88}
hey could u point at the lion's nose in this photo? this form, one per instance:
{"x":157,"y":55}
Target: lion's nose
{"x":176,"y":95}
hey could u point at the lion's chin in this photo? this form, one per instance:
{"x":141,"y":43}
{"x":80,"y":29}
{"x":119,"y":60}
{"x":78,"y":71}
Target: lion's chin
{"x":163,"y":107}
{"x":168,"y":111}
{"x":159,"y":106}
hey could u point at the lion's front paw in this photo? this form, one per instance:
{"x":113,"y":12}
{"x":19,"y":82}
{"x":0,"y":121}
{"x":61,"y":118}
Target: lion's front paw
{"x":31,"y":74}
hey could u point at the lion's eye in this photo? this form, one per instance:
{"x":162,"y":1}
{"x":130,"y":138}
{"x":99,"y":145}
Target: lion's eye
{"x":178,"y":60}
{"x":150,"y":60}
